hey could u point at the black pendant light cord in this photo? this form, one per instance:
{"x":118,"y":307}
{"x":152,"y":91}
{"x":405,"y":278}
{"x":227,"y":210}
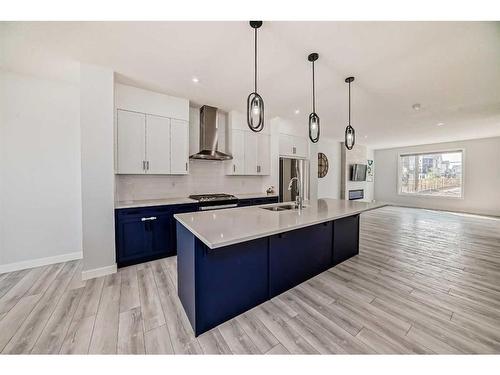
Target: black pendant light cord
{"x":314,"y":96}
{"x":349,"y":118}
{"x":255,"y":62}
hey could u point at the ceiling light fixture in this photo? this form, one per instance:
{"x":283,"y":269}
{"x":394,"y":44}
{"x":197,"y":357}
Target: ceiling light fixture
{"x":195,"y":80}
{"x":255,"y":104}
{"x":440,"y":124}
{"x":297,"y":111}
{"x":350,"y":136}
{"x":313,"y":117}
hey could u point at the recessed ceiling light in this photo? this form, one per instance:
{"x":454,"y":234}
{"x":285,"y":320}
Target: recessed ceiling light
{"x":365,"y":136}
{"x":195,"y":80}
{"x":440,"y":124}
{"x":297,"y":111}
{"x":416,"y":106}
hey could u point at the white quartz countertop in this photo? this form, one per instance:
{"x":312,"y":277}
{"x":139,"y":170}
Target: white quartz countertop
{"x":234,"y":225}
{"x":153,"y":202}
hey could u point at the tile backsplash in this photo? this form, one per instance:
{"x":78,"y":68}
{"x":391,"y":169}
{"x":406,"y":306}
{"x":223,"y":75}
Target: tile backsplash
{"x":203,"y":177}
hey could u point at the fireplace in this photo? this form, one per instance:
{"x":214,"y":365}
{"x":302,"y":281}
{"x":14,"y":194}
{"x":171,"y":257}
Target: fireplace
{"x":356,"y":194}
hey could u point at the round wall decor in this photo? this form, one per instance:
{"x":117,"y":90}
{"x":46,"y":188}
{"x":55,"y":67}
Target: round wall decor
{"x":322,"y":165}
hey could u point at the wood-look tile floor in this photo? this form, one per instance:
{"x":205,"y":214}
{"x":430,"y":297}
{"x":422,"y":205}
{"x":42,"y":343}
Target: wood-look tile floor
{"x":424,"y":282}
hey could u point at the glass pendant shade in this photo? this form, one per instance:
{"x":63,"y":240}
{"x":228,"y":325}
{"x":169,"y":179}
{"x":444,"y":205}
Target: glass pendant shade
{"x":255,"y":112}
{"x":314,"y":127}
{"x":350,"y":137}
{"x":255,"y":104}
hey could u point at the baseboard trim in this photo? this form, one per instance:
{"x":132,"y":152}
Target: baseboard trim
{"x":11,"y":267}
{"x":98,"y":272}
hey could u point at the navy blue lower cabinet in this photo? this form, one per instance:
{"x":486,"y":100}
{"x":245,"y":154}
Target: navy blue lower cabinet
{"x":345,"y":238}
{"x":146,"y":233}
{"x":298,"y":255}
{"x":131,"y":239}
{"x":217,"y":285}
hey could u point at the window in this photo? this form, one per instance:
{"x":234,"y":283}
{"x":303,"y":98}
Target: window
{"x":432,"y":174}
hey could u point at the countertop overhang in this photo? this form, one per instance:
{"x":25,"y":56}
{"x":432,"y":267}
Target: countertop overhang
{"x":221,"y":228}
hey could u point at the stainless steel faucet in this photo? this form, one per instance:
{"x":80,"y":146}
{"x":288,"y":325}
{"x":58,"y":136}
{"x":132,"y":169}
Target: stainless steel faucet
{"x":299,"y":200}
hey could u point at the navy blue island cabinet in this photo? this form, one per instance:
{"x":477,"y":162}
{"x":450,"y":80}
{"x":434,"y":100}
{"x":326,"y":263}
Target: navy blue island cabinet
{"x":215,"y":285}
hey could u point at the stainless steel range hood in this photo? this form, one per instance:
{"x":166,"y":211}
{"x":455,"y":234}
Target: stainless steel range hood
{"x":209,"y":136}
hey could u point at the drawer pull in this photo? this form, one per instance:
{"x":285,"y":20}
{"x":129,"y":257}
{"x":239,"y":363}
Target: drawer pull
{"x":148,"y":218}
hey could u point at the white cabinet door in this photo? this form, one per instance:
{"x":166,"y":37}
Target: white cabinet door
{"x":179,"y":147}
{"x":264,"y":154}
{"x":301,"y":146}
{"x":131,"y":142}
{"x":286,"y":146}
{"x":291,"y":145}
{"x":250,"y":153}
{"x":237,"y":166}
{"x":157,"y":145}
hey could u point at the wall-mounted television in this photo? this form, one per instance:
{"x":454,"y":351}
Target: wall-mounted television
{"x":358,"y":172}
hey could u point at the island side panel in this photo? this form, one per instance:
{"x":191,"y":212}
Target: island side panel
{"x":229,"y":281}
{"x":186,"y":272}
{"x":298,"y":255}
{"x":345,"y":238}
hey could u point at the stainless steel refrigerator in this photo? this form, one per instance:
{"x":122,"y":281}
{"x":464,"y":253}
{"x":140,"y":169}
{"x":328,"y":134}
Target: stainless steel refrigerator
{"x":290,"y":168}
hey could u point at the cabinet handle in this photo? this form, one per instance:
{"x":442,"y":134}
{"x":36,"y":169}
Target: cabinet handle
{"x":186,"y":166}
{"x":258,"y":168}
{"x":147,"y":165}
{"x":148,"y":218}
{"x":143,"y":165}
{"x":294,"y":149}
{"x":234,"y":167}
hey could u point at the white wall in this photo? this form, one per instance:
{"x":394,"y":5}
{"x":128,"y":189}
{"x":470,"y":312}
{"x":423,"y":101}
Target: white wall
{"x":40,"y":206}
{"x":96,"y":122}
{"x":329,"y":186}
{"x":481,"y":177}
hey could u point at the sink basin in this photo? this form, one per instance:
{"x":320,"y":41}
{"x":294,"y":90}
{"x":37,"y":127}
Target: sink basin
{"x":283,"y":207}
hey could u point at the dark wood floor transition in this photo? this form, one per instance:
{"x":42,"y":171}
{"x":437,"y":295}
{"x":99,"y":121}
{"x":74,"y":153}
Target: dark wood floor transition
{"x":424,"y":282}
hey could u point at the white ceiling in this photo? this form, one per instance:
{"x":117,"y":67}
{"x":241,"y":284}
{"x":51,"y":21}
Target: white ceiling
{"x":451,"y":68}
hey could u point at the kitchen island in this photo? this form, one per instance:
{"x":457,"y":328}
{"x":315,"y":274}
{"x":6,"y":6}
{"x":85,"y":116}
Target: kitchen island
{"x":231,"y":260}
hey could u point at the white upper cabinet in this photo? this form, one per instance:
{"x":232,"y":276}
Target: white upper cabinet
{"x":251,"y":139}
{"x":251,"y":151}
{"x":264,"y":155}
{"x":291,"y":145}
{"x":237,"y":165}
{"x":152,"y":132}
{"x":131,"y":142}
{"x":157,"y":145}
{"x":145,"y":101}
{"x":179,"y":147}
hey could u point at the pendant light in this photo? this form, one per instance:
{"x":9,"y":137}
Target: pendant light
{"x":255,"y":104}
{"x":313,"y":117}
{"x":350,"y":136}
